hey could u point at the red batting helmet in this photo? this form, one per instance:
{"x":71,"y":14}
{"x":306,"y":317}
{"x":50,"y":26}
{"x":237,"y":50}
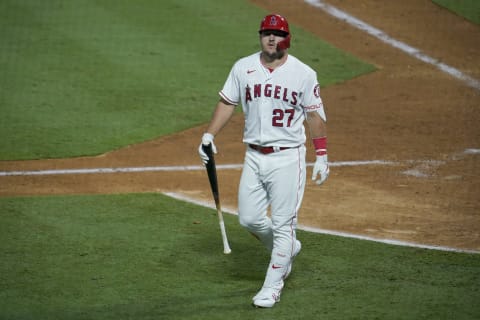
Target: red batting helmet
{"x":278,"y":23}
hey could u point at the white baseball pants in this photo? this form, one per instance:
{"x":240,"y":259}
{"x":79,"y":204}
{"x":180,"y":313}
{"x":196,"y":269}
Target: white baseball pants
{"x":275,"y":180}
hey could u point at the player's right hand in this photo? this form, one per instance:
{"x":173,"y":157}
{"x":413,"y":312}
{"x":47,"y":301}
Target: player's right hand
{"x":207,"y":139}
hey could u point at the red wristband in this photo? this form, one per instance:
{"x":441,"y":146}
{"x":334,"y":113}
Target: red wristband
{"x":320,"y":145}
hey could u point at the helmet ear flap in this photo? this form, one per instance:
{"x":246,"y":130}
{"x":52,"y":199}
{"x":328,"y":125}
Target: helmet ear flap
{"x":285,"y":43}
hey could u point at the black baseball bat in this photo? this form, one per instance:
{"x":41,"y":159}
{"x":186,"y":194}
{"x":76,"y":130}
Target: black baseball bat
{"x":212,"y":177}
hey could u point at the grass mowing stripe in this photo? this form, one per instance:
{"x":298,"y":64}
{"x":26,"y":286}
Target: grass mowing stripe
{"x":469,"y":9}
{"x":146,"y":256}
{"x":90,"y":76}
{"x":85,"y":78}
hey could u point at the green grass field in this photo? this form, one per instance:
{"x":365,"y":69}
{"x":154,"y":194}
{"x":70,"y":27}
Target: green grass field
{"x":83,"y":78}
{"x":469,"y":9}
{"x":145,"y":256}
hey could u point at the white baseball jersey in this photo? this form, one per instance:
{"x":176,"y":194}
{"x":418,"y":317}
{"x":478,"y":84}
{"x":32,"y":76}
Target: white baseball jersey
{"x":274,"y":103}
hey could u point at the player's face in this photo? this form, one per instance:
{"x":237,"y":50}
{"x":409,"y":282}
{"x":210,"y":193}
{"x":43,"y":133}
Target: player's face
{"x":269,"y":40}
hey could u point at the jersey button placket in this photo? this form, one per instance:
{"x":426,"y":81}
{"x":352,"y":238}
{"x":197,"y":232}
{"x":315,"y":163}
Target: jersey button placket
{"x":266,"y":109}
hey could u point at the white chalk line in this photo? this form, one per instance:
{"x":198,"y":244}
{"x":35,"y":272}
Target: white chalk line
{"x":381,"y":35}
{"x":229,"y":210}
{"x":469,"y":151}
{"x":170,"y":168}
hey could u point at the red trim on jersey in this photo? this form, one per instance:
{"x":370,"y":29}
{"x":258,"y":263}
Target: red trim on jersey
{"x":297,"y":204}
{"x":224,"y":97}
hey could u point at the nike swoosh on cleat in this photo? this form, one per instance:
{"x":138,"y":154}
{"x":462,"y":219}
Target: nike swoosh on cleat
{"x":276,"y":267}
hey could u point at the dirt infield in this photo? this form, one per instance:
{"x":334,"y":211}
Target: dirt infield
{"x":424,"y":122}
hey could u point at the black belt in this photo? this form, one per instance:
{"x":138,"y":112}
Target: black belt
{"x":267,"y":150}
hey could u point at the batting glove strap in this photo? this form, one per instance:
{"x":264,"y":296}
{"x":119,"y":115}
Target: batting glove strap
{"x":207,"y":138}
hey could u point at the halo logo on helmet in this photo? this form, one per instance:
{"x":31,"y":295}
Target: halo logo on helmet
{"x":273,"y":21}
{"x":278,"y":23}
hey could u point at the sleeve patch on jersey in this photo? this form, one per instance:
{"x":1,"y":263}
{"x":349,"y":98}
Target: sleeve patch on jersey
{"x":313,"y":107}
{"x":316,"y":91}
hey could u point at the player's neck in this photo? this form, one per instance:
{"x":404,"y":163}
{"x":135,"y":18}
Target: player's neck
{"x":273,"y":62}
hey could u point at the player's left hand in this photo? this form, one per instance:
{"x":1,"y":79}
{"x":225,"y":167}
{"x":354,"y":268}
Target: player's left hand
{"x":321,"y":168}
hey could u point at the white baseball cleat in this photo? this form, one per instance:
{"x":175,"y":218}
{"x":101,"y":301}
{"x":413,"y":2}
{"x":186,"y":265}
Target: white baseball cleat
{"x":298,"y":247}
{"x":267,"y":297}
{"x":270,"y":294}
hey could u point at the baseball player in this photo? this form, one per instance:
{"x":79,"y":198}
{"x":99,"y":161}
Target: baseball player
{"x":277,"y":93}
